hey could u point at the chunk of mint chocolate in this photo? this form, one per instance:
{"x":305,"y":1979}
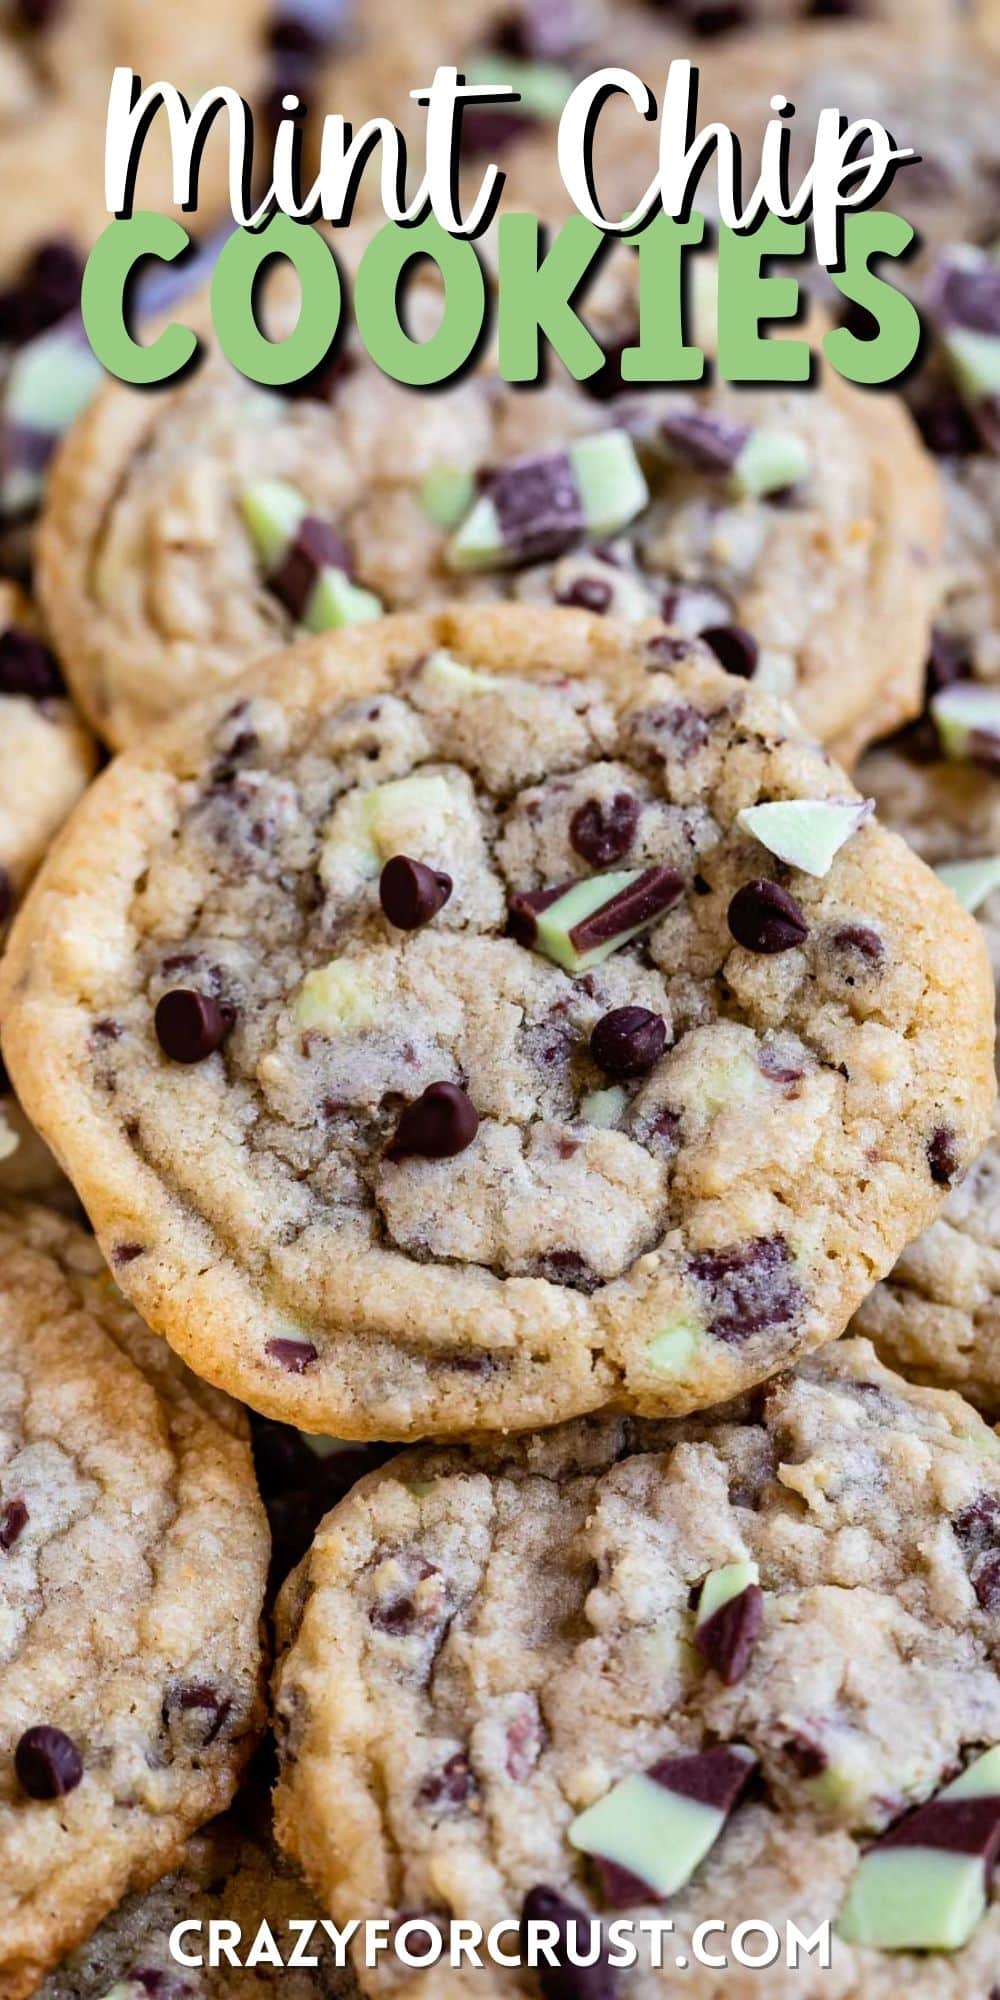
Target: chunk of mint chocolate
{"x":923,"y":1886}
{"x":655,"y":1827}
{"x":578,"y":924}
{"x":535,"y":508}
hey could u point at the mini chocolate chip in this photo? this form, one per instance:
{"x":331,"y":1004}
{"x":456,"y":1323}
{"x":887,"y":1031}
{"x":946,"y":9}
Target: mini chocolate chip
{"x":27,"y":666}
{"x":807,"y":1755}
{"x":563,"y":1267}
{"x":13,"y":1519}
{"x":858,"y":937}
{"x":294,"y":1355}
{"x":763,"y":917}
{"x":587,"y":593}
{"x":734,"y":647}
{"x":986,"y":1582}
{"x":454,"y":1785}
{"x":566,"y":1981}
{"x":943,"y":1156}
{"x":606,"y":381}
{"x":201,"y":1697}
{"x":190,"y":1026}
{"x":628,"y":1041}
{"x":601,"y":831}
{"x":47,"y":1762}
{"x":126,"y":1253}
{"x":411,"y":893}
{"x":441,"y":1122}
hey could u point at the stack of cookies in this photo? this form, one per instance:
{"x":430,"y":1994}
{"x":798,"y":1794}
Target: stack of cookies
{"x":499,"y":1181}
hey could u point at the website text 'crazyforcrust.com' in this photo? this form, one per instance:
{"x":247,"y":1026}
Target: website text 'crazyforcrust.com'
{"x":419,"y":1942}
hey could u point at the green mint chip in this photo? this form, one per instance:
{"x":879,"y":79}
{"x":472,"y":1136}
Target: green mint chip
{"x":806,"y":833}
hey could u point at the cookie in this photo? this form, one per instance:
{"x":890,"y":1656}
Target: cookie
{"x":129,"y":1694}
{"x":434,"y":1043}
{"x":692,"y":1668}
{"x":47,"y":757}
{"x":224,"y":1877}
{"x":57,"y":58}
{"x":938,"y":1315}
{"x":186,"y":532}
{"x":939,"y":101}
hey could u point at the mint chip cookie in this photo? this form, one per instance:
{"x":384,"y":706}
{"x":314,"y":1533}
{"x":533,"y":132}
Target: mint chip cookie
{"x":743,"y":1667}
{"x":938,"y":1315}
{"x":433,"y":1044}
{"x":129,"y":1693}
{"x":190,"y":533}
{"x":47,"y":757}
{"x":225,"y":1876}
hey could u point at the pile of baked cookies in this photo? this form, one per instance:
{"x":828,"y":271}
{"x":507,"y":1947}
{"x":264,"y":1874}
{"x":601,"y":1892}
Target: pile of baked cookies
{"x":490,"y":1002}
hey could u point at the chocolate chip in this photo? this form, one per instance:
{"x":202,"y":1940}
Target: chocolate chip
{"x":399,"y":1614}
{"x":606,"y":380}
{"x":969,"y":296}
{"x":315,"y":546}
{"x":13,"y":1519}
{"x":587,"y":593}
{"x":564,"y":1267}
{"x":190,"y":1026}
{"x":541,"y":31}
{"x":704,"y":442}
{"x":201,"y":1699}
{"x":735,"y":648}
{"x":47,"y":1762}
{"x":441,"y":1122}
{"x":943,"y":1156}
{"x":305,"y":30}
{"x":126,"y":1253}
{"x":628,"y":1041}
{"x":38,"y":13}
{"x":716,"y":17}
{"x":48,"y":290}
{"x":726,"y":1640}
{"x":411,"y":893}
{"x":602,"y":830}
{"x":491,"y":128}
{"x":858,"y":938}
{"x":947,"y":661}
{"x":806,"y":1754}
{"x":27,"y":667}
{"x":763,"y":917}
{"x":566,"y":1981}
{"x":294,"y":1355}
{"x":453,"y":1786}
{"x":986,"y":1582}
{"x":751,"y":1287}
{"x":945,"y":424}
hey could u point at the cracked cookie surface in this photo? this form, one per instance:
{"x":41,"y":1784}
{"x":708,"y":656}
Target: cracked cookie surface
{"x":129,"y":1696}
{"x":432,"y":1045}
{"x":486,"y":1640}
